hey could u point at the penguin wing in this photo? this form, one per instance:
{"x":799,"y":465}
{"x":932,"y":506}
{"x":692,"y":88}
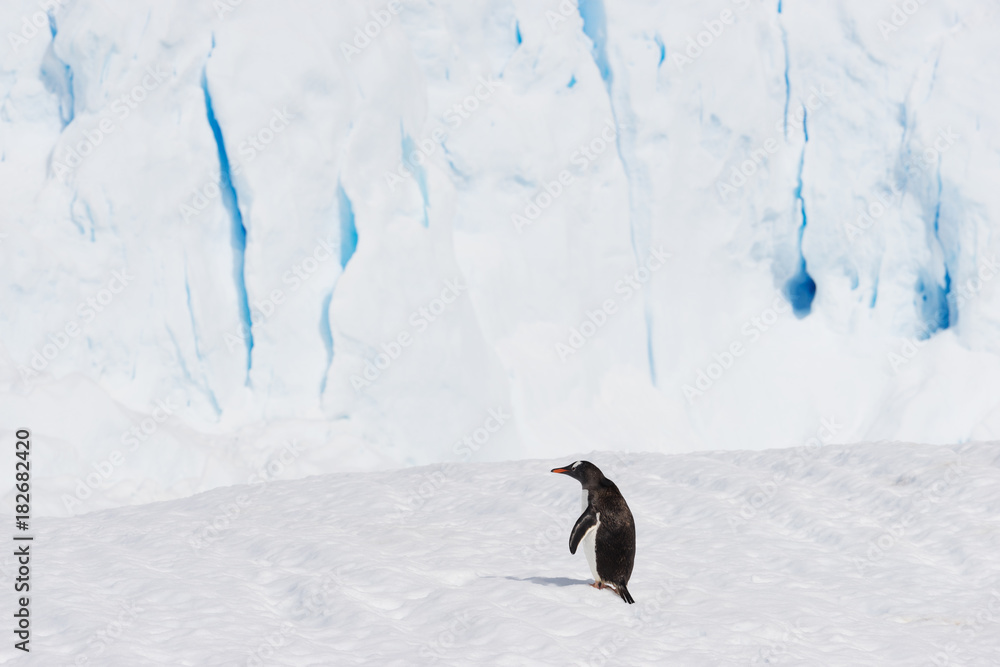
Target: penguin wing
{"x":586,"y":523}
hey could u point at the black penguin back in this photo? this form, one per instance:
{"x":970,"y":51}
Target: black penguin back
{"x":615,"y":539}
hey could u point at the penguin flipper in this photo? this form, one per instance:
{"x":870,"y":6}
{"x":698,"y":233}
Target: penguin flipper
{"x":586,"y":523}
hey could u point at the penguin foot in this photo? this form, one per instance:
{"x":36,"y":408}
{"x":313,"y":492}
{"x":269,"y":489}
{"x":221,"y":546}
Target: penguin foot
{"x":600,"y":585}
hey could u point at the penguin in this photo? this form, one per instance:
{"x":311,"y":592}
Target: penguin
{"x":606,"y":529}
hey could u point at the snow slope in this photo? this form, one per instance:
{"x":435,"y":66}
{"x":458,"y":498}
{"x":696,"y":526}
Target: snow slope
{"x":638,"y":225}
{"x":877,"y":554}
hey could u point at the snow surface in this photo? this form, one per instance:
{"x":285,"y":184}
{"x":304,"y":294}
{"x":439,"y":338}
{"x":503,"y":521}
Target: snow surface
{"x":840,"y":114}
{"x":876,"y":554}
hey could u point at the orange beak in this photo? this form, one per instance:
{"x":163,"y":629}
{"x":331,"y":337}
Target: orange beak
{"x":560,"y":470}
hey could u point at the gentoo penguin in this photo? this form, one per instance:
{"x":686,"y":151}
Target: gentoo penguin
{"x":606,"y":529}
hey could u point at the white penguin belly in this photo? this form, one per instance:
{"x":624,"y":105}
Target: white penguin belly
{"x":590,"y":548}
{"x":589,"y":542}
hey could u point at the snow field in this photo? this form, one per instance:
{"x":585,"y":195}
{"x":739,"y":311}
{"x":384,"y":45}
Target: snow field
{"x":876,"y":554}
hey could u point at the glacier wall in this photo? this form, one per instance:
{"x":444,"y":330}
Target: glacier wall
{"x":257,"y":240}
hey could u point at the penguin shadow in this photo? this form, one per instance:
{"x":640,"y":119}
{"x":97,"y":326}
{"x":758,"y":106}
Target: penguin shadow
{"x":551,"y":581}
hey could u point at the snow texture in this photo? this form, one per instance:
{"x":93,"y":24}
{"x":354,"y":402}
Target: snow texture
{"x":219,"y":220}
{"x":881,"y":554}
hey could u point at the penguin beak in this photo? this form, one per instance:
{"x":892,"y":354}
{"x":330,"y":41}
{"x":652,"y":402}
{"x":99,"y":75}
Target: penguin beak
{"x":564,"y":470}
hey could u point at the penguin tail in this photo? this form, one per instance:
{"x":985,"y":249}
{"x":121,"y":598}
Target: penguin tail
{"x":623,"y":592}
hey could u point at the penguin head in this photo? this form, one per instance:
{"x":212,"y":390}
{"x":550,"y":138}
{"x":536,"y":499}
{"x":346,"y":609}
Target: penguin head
{"x":585,"y":472}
